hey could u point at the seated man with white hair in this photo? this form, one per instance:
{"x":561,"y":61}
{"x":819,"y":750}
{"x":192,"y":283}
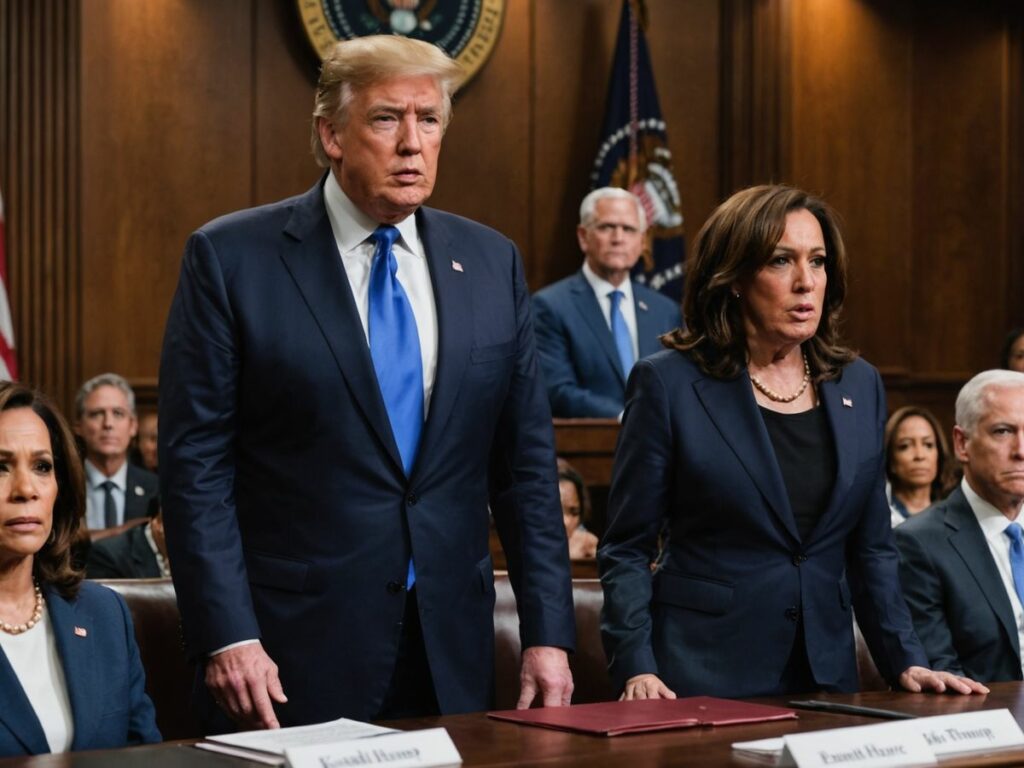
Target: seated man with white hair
{"x":593,"y":325}
{"x":962,"y":560}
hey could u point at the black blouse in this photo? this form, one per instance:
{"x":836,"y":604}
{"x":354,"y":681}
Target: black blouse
{"x":807,"y":458}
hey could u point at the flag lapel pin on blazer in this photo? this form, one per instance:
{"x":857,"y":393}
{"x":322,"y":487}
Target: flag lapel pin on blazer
{"x":847,"y":402}
{"x":81,"y":632}
{"x":456,"y":266}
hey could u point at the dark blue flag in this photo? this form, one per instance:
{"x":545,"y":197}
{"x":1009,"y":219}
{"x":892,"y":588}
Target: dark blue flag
{"x":634,"y":155}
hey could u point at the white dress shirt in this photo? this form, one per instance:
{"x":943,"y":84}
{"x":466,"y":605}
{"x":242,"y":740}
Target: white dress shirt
{"x":602,"y":288}
{"x":993,"y":524}
{"x":33,"y":657}
{"x":352,"y":229}
{"x":95,"y":496}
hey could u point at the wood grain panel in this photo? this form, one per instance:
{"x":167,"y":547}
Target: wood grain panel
{"x":166,"y":138}
{"x":39,"y":176}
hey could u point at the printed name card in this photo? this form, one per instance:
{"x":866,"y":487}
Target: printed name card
{"x":413,"y":749}
{"x":903,"y":743}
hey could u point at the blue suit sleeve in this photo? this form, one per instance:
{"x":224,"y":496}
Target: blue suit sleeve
{"x":639,"y":499}
{"x":873,"y":567}
{"x":922,"y":588}
{"x":142,"y":718}
{"x":567,"y":396}
{"x":199,"y":371}
{"x":524,"y":494}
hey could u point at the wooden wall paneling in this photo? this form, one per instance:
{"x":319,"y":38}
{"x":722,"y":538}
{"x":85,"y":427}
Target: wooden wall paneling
{"x":166,"y":136}
{"x":285,"y":72}
{"x":485,"y":160}
{"x":959,"y":247}
{"x":39,"y":175}
{"x":849,"y":139}
{"x":1013,"y":94}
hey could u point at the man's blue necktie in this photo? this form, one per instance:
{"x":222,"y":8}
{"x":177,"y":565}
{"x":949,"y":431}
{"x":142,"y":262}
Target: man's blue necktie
{"x":395,"y":349}
{"x":1013,"y":531}
{"x":623,"y":343}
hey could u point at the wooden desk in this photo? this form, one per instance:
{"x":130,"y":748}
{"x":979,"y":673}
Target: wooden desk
{"x":485,"y":743}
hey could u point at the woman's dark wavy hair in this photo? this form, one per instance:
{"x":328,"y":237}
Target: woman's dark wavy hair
{"x":567,"y":471}
{"x":1008,"y":342}
{"x":735,"y":242}
{"x":53,"y":564}
{"x":946,"y":476}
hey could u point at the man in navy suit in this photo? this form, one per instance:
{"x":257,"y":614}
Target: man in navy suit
{"x":593,"y":325}
{"x":956,"y":558}
{"x":348,"y":382}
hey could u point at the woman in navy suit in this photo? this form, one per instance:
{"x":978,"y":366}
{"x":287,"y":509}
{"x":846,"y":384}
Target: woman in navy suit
{"x":70,"y":674}
{"x":750,"y":469}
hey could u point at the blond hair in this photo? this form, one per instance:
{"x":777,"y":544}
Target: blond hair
{"x":362,"y":61}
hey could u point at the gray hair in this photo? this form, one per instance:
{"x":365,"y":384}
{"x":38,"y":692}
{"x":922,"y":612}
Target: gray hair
{"x":970,"y":403}
{"x":588,"y":208}
{"x":362,"y":61}
{"x":107,"y":380}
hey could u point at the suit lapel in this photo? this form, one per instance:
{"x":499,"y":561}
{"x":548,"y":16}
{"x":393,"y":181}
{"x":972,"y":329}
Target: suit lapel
{"x":454,"y":326}
{"x":16,"y":712}
{"x":731,"y":406}
{"x":586,"y":304}
{"x":842,"y":420}
{"x":647,"y":331}
{"x":967,"y":538}
{"x":78,"y":660}
{"x":311,"y":257}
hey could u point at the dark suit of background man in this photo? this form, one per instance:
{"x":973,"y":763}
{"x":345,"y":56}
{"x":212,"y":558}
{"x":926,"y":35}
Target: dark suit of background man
{"x":117,"y":493}
{"x":588,"y":338}
{"x":303,"y":507}
{"x":962,"y":572}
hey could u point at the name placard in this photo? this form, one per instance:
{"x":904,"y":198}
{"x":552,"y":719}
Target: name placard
{"x":413,"y":749}
{"x":865,"y":746}
{"x":970,"y":732}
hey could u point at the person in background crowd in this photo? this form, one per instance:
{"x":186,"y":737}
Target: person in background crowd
{"x":1012,"y":356}
{"x":918,"y":464}
{"x":348,"y":384}
{"x":146,"y":453}
{"x":70,"y":674}
{"x":753,"y":446}
{"x":118,"y":493}
{"x":962,"y":560}
{"x":575,"y":509}
{"x":138,"y":553}
{"x":593,"y":325}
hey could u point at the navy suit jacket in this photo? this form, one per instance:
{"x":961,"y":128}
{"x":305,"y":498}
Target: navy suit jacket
{"x":719,"y":616}
{"x":125,"y":556}
{"x":104,"y":676}
{"x":960,"y":607}
{"x":577,"y":352}
{"x":142,"y":488}
{"x":288,"y":514}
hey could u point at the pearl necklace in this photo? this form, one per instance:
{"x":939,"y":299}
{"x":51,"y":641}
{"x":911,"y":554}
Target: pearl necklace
{"x":37,"y":614}
{"x":771,"y":394}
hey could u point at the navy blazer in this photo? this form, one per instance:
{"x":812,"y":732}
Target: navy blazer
{"x":288,"y":514}
{"x":719,"y":616}
{"x":577,"y":352}
{"x":956,"y":596}
{"x":105,"y":680}
{"x":142,"y":489}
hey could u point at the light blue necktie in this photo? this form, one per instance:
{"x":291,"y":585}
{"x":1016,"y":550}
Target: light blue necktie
{"x":1013,"y":531}
{"x":395,"y":349}
{"x":620,"y":333}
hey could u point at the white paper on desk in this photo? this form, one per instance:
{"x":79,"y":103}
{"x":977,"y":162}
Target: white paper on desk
{"x":248,"y":754}
{"x":277,"y":741}
{"x":763,"y":750}
{"x":429,"y":748}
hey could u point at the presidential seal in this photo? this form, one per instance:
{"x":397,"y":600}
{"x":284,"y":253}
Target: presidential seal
{"x":465,"y":29}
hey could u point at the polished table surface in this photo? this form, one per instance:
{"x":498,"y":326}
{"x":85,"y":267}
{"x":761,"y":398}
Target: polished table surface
{"x":486,"y":742}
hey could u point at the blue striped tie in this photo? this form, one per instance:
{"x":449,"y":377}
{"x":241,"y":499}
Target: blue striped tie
{"x":395,"y":349}
{"x":623,"y":343}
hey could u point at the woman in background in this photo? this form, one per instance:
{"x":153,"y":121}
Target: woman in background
{"x":70,"y":674}
{"x":918,"y":464}
{"x":575,"y":509}
{"x":1012,"y":356}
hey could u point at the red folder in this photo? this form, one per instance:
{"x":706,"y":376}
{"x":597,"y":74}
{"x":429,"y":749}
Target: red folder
{"x":611,"y":718}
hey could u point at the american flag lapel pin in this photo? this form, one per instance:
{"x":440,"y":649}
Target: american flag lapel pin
{"x":456,"y":266}
{"x":81,"y":632}
{"x":847,"y":402}
{"x":642,"y":305}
